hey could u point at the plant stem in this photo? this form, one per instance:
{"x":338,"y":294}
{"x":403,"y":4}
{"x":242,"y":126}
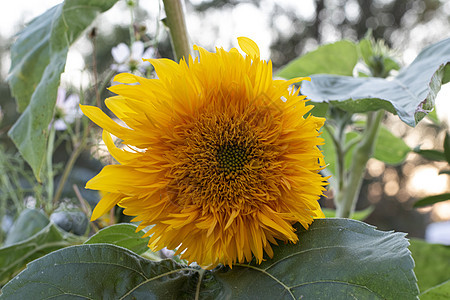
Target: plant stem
{"x":73,"y":158}
{"x":94,"y":67}
{"x":50,"y":149}
{"x":339,"y":171}
{"x":176,"y":23}
{"x":347,"y":197}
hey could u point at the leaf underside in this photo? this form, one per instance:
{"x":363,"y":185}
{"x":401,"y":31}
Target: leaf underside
{"x":410,"y":94}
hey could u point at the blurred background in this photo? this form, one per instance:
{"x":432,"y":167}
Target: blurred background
{"x":284,"y":30}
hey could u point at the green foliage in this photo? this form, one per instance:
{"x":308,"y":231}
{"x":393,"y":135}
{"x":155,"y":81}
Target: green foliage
{"x":435,"y":155}
{"x":432,"y":200}
{"x":123,"y":235}
{"x":339,"y":58}
{"x":431,"y":263}
{"x":29,"y":222}
{"x":38,"y":59}
{"x":14,"y":257}
{"x":433,"y":117}
{"x":329,"y":149}
{"x":410,"y":94}
{"x":447,"y":147}
{"x":359,"y":215}
{"x":377,"y":57}
{"x":389,"y":148}
{"x":335,"y":258}
{"x":440,"y":292}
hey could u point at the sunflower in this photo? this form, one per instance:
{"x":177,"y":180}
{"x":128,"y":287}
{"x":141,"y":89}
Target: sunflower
{"x":219,"y":158}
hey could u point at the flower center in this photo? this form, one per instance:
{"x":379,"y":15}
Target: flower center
{"x":231,"y":158}
{"x":223,"y":160}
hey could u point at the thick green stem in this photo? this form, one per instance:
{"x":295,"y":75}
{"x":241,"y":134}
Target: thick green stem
{"x":176,"y":23}
{"x":348,"y":195}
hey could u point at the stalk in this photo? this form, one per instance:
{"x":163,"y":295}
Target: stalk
{"x":347,"y":197}
{"x":176,"y":24}
{"x":50,"y":175}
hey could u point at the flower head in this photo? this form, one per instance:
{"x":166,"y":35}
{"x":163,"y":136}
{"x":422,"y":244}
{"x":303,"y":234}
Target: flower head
{"x":222,"y":159}
{"x":130,"y":58}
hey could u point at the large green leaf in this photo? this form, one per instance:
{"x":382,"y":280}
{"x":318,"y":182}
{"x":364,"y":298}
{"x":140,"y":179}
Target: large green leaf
{"x":14,"y":257}
{"x":38,"y":59}
{"x":335,"y":259}
{"x":440,"y":292}
{"x":29,"y":222}
{"x":431,"y":263}
{"x":339,"y":58}
{"x":123,"y":235}
{"x":411,"y":94}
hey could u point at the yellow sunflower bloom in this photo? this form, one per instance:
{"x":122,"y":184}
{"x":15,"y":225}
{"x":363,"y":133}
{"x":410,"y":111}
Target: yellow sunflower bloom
{"x":221,"y":158}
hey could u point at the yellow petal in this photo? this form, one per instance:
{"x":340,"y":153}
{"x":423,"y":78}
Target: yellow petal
{"x":105,"y":204}
{"x":249,"y":47}
{"x":120,"y":155}
{"x":125,"y":78}
{"x":101,"y":119}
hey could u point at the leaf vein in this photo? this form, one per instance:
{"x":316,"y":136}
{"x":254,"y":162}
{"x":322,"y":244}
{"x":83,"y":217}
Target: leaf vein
{"x":156,"y":277}
{"x":270,"y":276}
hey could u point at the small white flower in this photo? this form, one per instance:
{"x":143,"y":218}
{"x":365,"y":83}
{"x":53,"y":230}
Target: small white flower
{"x":131,"y":59}
{"x":67,"y":109}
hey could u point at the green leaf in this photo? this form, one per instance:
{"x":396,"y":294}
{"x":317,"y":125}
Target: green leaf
{"x":433,"y":116}
{"x":390,"y":64}
{"x":432,"y":200}
{"x":431,"y":263}
{"x":447,"y":147}
{"x":376,"y":56}
{"x":319,"y":109}
{"x":29,"y":222}
{"x":335,"y":258}
{"x":123,"y":235}
{"x":14,"y":257}
{"x":444,"y":172}
{"x":38,"y":59}
{"x":411,"y":94}
{"x":365,"y":49}
{"x":430,"y":154}
{"x":440,"y":292}
{"x":339,"y":58}
{"x":389,"y":148}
